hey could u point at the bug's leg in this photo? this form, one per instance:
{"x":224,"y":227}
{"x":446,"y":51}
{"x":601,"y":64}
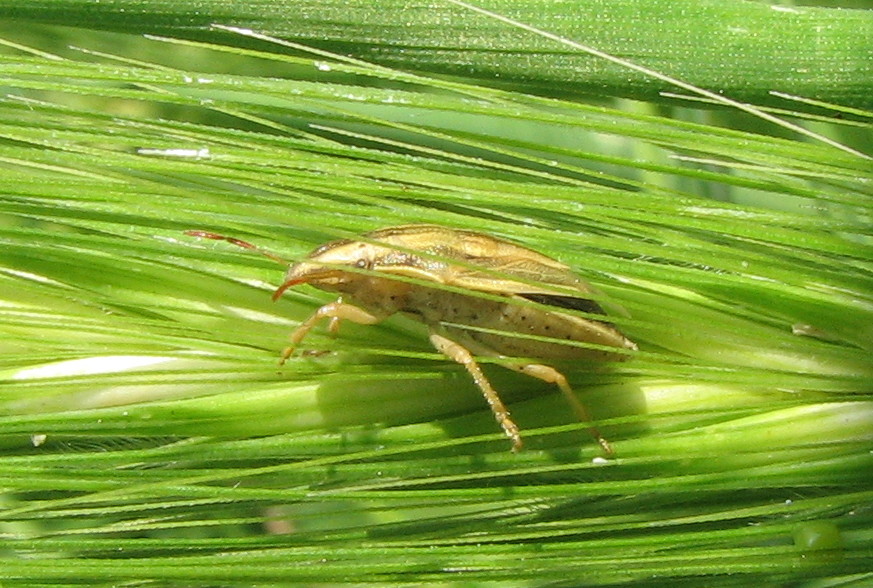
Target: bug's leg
{"x":553,"y":376}
{"x":335,"y":311}
{"x":334,"y":322}
{"x":461,"y":355}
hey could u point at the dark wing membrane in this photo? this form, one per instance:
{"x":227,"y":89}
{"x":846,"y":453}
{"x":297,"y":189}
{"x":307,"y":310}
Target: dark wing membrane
{"x":568,"y":302}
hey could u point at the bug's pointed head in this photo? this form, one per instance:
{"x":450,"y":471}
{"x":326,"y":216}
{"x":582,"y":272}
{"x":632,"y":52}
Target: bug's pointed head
{"x":328,"y":266}
{"x":308,"y":273}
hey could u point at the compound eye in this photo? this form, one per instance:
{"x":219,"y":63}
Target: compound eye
{"x":364,"y":264}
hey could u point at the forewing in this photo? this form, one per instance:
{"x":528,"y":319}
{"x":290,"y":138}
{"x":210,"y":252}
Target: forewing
{"x":475,"y":261}
{"x":515,"y":270}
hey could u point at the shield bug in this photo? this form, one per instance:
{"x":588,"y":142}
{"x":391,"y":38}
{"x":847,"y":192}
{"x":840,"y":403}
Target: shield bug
{"x":478,"y":296}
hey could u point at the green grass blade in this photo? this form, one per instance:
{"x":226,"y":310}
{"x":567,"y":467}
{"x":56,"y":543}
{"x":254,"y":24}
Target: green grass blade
{"x":743,"y":49}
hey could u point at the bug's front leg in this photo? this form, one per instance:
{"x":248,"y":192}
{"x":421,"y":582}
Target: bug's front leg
{"x":552,"y":376}
{"x":335,"y":311}
{"x":463,"y":356}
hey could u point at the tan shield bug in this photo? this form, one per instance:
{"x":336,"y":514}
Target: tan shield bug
{"x":390,"y":270}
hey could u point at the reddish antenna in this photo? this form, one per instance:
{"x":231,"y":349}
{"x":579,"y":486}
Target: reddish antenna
{"x":238,"y":243}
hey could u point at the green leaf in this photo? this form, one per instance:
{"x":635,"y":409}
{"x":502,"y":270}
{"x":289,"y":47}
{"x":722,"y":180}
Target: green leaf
{"x":745,"y":50}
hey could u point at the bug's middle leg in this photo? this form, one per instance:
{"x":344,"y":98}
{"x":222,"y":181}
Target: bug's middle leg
{"x":335,"y":311}
{"x":552,"y":376}
{"x":463,"y":356}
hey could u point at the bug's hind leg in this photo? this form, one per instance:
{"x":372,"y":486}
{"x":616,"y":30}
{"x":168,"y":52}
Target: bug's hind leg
{"x":463,"y":356}
{"x":552,"y":376}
